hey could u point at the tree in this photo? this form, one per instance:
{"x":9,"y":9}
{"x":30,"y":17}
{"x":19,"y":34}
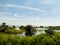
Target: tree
{"x":50,"y":30}
{"x":4,"y":27}
{"x":29,"y":30}
{"x":14,"y":27}
{"x":41,"y":26}
{"x":22,"y":27}
{"x":3,"y":24}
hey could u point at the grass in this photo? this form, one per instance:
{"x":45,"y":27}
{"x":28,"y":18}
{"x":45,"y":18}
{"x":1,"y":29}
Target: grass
{"x":41,"y":39}
{"x":14,"y":32}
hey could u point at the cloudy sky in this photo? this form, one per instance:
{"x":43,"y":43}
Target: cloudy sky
{"x":34,"y":12}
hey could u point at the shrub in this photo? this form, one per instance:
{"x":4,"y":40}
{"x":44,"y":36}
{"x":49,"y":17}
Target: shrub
{"x":29,"y":30}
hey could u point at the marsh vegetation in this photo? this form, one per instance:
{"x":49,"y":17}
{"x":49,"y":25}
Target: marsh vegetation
{"x":9,"y":35}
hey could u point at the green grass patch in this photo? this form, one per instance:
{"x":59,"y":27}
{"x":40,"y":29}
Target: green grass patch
{"x":42,"y":39}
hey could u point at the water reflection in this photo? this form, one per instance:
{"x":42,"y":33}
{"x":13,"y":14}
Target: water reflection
{"x":35,"y":33}
{"x":39,"y":31}
{"x":57,"y":30}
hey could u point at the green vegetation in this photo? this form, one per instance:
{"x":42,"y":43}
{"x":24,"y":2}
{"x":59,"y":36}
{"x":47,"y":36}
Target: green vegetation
{"x":42,"y":39}
{"x":50,"y":31}
{"x":8,"y":29}
{"x":9,"y":36}
{"x":29,"y":30}
{"x":55,"y":27}
{"x":12,"y":29}
{"x":22,"y":27}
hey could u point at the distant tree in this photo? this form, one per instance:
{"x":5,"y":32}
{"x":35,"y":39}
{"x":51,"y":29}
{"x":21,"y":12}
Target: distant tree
{"x":41,"y":26}
{"x":50,"y":30}
{"x":14,"y":27}
{"x":4,"y":27}
{"x":22,"y":27}
{"x":29,"y":30}
{"x":0,"y":28}
{"x":3,"y":24}
{"x":8,"y":29}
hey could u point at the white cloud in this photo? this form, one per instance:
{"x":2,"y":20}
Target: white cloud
{"x":10,"y":21}
{"x":15,"y":15}
{"x":6,"y":18}
{"x":54,"y":11}
{"x":5,"y":13}
{"x":48,"y":1}
{"x":19,"y":15}
{"x":37,"y":18}
{"x":23,"y":7}
{"x":18,"y":21}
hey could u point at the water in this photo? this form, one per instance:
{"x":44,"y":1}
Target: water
{"x":39,"y":31}
{"x":57,"y":30}
{"x":41,"y":28}
{"x":22,"y":35}
{"x":36,"y":33}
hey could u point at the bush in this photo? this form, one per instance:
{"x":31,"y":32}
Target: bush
{"x":43,"y":39}
{"x":50,"y":31}
{"x":29,"y":30}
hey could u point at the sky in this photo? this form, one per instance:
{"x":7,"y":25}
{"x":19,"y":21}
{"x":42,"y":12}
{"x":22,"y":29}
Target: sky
{"x":30,"y":12}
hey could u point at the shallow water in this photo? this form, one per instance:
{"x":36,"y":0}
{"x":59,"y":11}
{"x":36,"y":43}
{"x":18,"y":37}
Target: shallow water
{"x":39,"y":31}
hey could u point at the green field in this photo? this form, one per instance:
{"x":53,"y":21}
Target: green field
{"x":9,"y":36}
{"x":42,"y":39}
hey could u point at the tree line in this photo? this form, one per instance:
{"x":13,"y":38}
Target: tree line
{"x":29,"y":29}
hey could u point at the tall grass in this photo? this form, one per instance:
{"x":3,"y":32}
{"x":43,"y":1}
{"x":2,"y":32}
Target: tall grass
{"x":42,"y":39}
{"x":13,"y":32}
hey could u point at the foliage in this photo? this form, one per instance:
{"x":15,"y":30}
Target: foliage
{"x":22,"y":27}
{"x":13,"y":27}
{"x":50,"y":30}
{"x":13,"y":39}
{"x":43,"y":39}
{"x":3,"y":27}
{"x":8,"y":29}
{"x":29,"y":30}
{"x":41,"y":26}
{"x":55,"y":27}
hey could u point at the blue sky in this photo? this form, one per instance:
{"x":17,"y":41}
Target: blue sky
{"x":34,"y":12}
